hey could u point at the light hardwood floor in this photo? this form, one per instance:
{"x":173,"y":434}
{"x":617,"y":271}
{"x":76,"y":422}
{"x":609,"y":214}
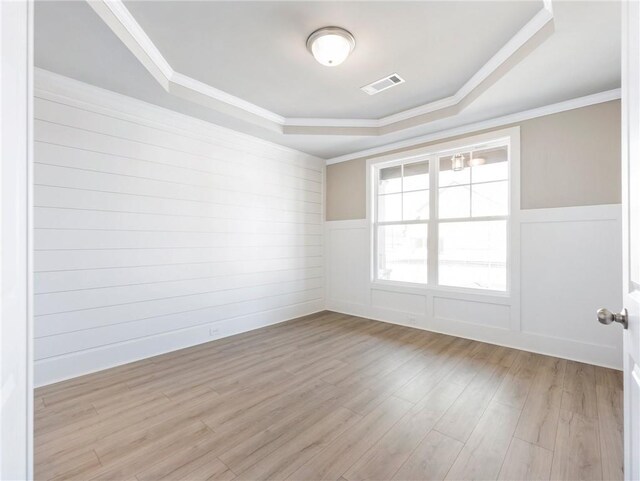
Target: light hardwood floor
{"x":334,"y":397}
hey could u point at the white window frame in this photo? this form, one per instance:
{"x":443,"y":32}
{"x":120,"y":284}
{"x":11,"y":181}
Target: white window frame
{"x":510,"y":137}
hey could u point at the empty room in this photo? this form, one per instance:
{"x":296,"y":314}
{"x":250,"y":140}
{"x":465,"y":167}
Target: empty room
{"x":320,"y":240}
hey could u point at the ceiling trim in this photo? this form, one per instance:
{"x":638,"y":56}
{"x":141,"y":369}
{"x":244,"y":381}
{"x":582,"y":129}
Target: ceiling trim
{"x":535,"y":25}
{"x":58,"y":88}
{"x":121,"y":22}
{"x":118,"y":18}
{"x":572,"y":104}
{"x":214,"y":93}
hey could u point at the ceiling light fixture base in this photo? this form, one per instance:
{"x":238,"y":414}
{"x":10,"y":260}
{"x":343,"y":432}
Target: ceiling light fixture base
{"x":331,"y":46}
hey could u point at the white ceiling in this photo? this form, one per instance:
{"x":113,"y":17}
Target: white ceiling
{"x":256,"y":50}
{"x":226,"y":45}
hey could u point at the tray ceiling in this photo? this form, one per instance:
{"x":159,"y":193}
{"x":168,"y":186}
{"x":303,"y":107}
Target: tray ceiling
{"x":256,"y":50}
{"x":578,"y":56}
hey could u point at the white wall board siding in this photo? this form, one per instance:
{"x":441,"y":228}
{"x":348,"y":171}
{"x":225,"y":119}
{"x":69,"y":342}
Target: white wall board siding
{"x":568,"y":265}
{"x":154,"y":231}
{"x":477,"y":312}
{"x":398,"y":301}
{"x":347,"y":269}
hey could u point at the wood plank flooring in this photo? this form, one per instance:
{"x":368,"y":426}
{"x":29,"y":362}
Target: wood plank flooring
{"x":334,"y":397}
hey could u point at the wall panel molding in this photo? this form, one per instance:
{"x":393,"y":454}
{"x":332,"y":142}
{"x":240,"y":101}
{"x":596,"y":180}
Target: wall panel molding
{"x":561,"y":287}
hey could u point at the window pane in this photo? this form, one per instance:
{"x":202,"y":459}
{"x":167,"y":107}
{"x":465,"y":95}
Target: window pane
{"x":447,"y":176}
{"x":402,"y":253}
{"x":389,"y":207}
{"x":490,"y":164}
{"x":390,"y":180}
{"x":454,"y":202}
{"x":490,"y":199}
{"x":416,"y":176}
{"x":473,"y":254}
{"x":415,"y":205}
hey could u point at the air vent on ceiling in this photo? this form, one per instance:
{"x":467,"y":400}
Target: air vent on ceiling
{"x":383,"y":84}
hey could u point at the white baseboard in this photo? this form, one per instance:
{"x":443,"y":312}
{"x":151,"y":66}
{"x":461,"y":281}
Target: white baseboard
{"x":598,"y":355}
{"x":60,"y":368}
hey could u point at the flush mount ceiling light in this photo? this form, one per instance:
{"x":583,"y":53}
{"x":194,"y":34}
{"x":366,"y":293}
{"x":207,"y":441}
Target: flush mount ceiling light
{"x":331,"y":45}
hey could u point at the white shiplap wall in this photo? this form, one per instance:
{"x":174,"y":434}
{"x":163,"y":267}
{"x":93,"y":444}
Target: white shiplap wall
{"x":155,"y":231}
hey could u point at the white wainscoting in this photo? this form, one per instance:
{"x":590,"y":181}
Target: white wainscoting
{"x":155,"y":231}
{"x":570,"y":265}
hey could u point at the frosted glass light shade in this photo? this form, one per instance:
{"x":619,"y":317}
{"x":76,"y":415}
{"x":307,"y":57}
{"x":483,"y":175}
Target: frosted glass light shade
{"x":331,"y":46}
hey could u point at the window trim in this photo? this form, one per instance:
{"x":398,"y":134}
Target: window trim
{"x":510,"y":136}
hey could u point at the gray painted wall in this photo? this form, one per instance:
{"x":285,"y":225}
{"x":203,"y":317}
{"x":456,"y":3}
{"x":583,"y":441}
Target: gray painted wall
{"x":567,"y":159}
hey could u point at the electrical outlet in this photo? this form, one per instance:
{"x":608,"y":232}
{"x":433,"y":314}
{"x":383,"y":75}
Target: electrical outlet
{"x":214,"y":331}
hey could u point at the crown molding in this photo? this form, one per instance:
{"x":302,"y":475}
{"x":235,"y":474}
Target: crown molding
{"x":572,"y":104}
{"x":525,"y":40}
{"x":118,"y":18}
{"x":535,"y":25}
{"x":209,"y":91}
{"x":75,"y":93}
{"x":58,"y":88}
